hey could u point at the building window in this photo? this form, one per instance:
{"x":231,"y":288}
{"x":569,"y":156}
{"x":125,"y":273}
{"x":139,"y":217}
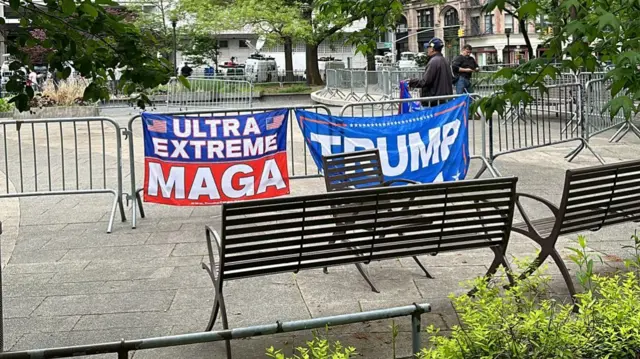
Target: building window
{"x":223,"y":44}
{"x":542,"y":25}
{"x":425,"y":18}
{"x":488,"y":24}
{"x":451,"y":17}
{"x":242,"y":43}
{"x":475,"y":26}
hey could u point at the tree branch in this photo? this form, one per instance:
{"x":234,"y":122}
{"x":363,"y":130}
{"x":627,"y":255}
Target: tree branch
{"x":35,"y":9}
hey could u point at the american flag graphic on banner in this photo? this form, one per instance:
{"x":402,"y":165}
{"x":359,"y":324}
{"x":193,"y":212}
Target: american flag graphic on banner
{"x":158,"y":126}
{"x":274,"y":122}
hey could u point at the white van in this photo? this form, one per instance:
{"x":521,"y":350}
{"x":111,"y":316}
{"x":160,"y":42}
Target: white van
{"x":259,"y":68}
{"x":407,"y":60}
{"x":329,"y":63}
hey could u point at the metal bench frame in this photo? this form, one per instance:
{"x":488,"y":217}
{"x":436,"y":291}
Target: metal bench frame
{"x":593,"y":198}
{"x":268,"y":236}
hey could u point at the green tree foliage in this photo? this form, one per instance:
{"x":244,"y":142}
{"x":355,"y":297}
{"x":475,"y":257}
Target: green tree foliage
{"x":93,"y":39}
{"x":156,"y":25}
{"x":202,"y":49}
{"x":583,"y":30}
{"x":278,"y":21}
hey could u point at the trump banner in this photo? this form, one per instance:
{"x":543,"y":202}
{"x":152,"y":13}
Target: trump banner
{"x":431,"y":145}
{"x":194,"y":161}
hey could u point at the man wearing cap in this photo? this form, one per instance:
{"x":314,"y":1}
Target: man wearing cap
{"x":437,"y":78}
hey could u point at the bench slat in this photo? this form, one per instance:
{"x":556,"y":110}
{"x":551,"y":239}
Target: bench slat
{"x":388,"y":248}
{"x":359,"y":196}
{"x":360,"y":221}
{"x":426,"y":231}
{"x":351,"y":206}
{"x":329,"y":262}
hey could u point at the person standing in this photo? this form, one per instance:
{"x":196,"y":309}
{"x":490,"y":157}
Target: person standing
{"x":437,"y":77}
{"x":186,"y":71}
{"x":464,"y":65}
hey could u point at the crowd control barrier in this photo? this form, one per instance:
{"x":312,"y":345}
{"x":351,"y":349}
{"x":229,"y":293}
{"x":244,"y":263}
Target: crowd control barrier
{"x":552,"y":118}
{"x":209,"y":93}
{"x":477,"y":126}
{"x":301,"y":164}
{"x":597,"y":115}
{"x":44,"y":158}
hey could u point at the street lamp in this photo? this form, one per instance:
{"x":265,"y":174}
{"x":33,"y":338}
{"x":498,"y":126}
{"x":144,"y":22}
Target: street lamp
{"x":174,"y":22}
{"x":508,"y":27}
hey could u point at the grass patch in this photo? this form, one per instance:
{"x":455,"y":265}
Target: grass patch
{"x":270,"y":89}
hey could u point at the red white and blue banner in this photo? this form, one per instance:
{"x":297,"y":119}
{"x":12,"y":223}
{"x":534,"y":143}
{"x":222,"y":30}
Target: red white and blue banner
{"x":431,"y":145}
{"x":194,"y":161}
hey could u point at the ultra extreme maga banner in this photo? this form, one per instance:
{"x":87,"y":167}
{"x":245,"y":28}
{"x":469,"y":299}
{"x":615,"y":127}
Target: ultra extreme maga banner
{"x":192,"y":161}
{"x":431,"y":145}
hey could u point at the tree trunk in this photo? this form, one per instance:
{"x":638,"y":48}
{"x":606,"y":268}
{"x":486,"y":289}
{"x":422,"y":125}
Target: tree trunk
{"x":288,"y":59}
{"x":313,"y":73}
{"x":371,"y":59}
{"x":525,"y":35}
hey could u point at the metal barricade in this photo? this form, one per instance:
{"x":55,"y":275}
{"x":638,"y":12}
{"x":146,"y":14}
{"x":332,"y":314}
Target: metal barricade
{"x":402,"y":75}
{"x":209,"y":93}
{"x":344,"y":81}
{"x":552,"y":118}
{"x":300,"y":161}
{"x":331,"y":88}
{"x":68,"y":156}
{"x":597,"y":116}
{"x":478,"y":146}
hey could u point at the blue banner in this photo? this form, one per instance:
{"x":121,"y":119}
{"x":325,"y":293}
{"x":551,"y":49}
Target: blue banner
{"x":427,"y":146}
{"x":406,"y":107}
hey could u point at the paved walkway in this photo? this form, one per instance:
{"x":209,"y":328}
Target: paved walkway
{"x":67,"y":282}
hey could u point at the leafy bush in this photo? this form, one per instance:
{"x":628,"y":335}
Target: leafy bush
{"x":316,"y":349}
{"x":524,"y":321}
{"x":5,"y":106}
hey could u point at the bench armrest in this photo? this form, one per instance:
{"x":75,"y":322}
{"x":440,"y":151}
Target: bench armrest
{"x":524,"y":214}
{"x":549,"y":205}
{"x":209,"y":232}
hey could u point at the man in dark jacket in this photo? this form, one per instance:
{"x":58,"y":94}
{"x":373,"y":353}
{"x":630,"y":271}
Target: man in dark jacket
{"x":437,"y":78}
{"x":464,"y":66}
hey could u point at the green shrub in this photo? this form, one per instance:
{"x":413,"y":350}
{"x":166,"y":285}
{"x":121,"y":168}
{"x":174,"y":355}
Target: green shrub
{"x":5,"y":106}
{"x":524,"y":321}
{"x":317,"y":348}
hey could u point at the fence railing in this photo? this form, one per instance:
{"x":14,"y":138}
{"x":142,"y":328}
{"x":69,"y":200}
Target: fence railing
{"x":554,"y":117}
{"x":68,"y":156}
{"x":122,"y":348}
{"x":596,"y":113}
{"x":209,"y":93}
{"x":301,"y":163}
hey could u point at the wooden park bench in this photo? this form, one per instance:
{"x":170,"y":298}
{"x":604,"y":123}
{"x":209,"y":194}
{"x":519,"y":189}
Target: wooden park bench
{"x":593,"y":198}
{"x":290,"y":234}
{"x":345,"y":171}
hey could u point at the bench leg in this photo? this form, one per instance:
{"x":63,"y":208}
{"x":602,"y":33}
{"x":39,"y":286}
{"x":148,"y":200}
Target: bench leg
{"x":216,"y":304}
{"x":362,"y":271}
{"x":565,"y":274}
{"x":498,"y":260}
{"x":422,"y":267}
